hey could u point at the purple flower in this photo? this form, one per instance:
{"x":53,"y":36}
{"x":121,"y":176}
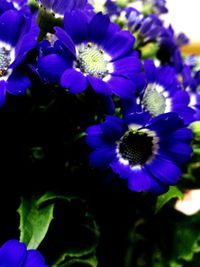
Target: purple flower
{"x":162,"y":93}
{"x":92,"y":53}
{"x":14,"y":254}
{"x":15,"y":43}
{"x":139,"y":149}
{"x":149,"y":27}
{"x":62,"y":6}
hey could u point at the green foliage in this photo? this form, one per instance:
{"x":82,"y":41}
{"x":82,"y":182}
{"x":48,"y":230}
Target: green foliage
{"x":173,"y":192}
{"x":38,"y":219}
{"x":34,"y":221}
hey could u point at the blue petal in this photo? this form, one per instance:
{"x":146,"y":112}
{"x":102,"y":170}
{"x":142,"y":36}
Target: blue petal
{"x":51,"y":67}
{"x":94,"y":136}
{"x":167,"y":77}
{"x":178,"y":152}
{"x":186,"y":113}
{"x":169,"y":177}
{"x":142,"y":180}
{"x":113,"y":128}
{"x":119,"y":45}
{"x":66,"y":40}
{"x":26,"y":43}
{"x":121,"y":86}
{"x":98,"y":27}
{"x":182,"y":135}
{"x":60,"y":6}
{"x":124,"y":171}
{"x":74,"y":80}
{"x":34,"y":258}
{"x":127,"y":66}
{"x":181,"y":97}
{"x":75,"y":24}
{"x":18,"y":83}
{"x":99,"y":85}
{"x":166,"y":123}
{"x":2,"y":93}
{"x":140,"y":119}
{"x":11,"y":23}
{"x":150,"y":70}
{"x":12,"y":254}
{"x":102,"y":157}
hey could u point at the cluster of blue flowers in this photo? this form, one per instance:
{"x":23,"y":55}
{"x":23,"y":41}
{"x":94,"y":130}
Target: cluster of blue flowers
{"x":158,"y":98}
{"x":153,"y":98}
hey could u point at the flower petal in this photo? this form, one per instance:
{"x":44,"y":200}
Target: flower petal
{"x":99,"y":85}
{"x":94,"y":136}
{"x":34,"y":258}
{"x":102,"y":157}
{"x":141,"y":180}
{"x":12,"y":254}
{"x":75,"y":24}
{"x":18,"y":83}
{"x":2,"y":93}
{"x":98,"y":27}
{"x":119,"y":45}
{"x":74,"y":80}
{"x":8,"y":33}
{"x":65,"y":39}
{"x":157,"y":166}
{"x":122,"y":87}
{"x":52,"y":66}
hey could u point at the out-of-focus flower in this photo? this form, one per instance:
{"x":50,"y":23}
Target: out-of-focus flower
{"x":156,"y":6}
{"x":190,"y":204}
{"x":95,"y":53}
{"x":191,"y":83}
{"x":62,"y":6}
{"x":149,"y":28}
{"x":14,"y":253}
{"x":15,"y":43}
{"x":139,"y":148}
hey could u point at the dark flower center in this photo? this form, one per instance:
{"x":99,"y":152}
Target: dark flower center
{"x":92,"y":60}
{"x":136,"y":146}
{"x":153,"y":100}
{"x":5,"y":61}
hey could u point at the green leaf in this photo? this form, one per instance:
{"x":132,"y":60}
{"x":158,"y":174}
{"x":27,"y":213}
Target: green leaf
{"x":173,"y":192}
{"x":36,"y":215}
{"x":91,"y":261}
{"x":34,"y":221}
{"x":186,"y":239}
{"x":84,"y":244}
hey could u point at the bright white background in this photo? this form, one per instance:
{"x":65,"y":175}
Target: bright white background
{"x":184,"y":15}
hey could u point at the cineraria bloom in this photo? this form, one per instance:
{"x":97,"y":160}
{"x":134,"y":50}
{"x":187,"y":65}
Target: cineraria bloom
{"x":140,"y":149}
{"x":148,"y":27}
{"x":62,"y":6}
{"x":15,"y":43}
{"x":158,"y":6}
{"x":14,"y":254}
{"x":169,"y":51}
{"x":95,"y":53}
{"x":191,"y":83}
{"x":163,"y":93}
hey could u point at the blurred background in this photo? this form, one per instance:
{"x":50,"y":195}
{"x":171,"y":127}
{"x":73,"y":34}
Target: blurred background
{"x":184,"y":17}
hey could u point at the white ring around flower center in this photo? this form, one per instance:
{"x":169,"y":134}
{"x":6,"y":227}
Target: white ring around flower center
{"x":156,"y":100}
{"x":93,"y":60}
{"x":7,"y":55}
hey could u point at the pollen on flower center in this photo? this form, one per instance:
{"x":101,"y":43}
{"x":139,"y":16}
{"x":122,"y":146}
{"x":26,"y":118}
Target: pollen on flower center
{"x":91,"y":60}
{"x":136,"y":147}
{"x":5,"y":61}
{"x":153,"y":100}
